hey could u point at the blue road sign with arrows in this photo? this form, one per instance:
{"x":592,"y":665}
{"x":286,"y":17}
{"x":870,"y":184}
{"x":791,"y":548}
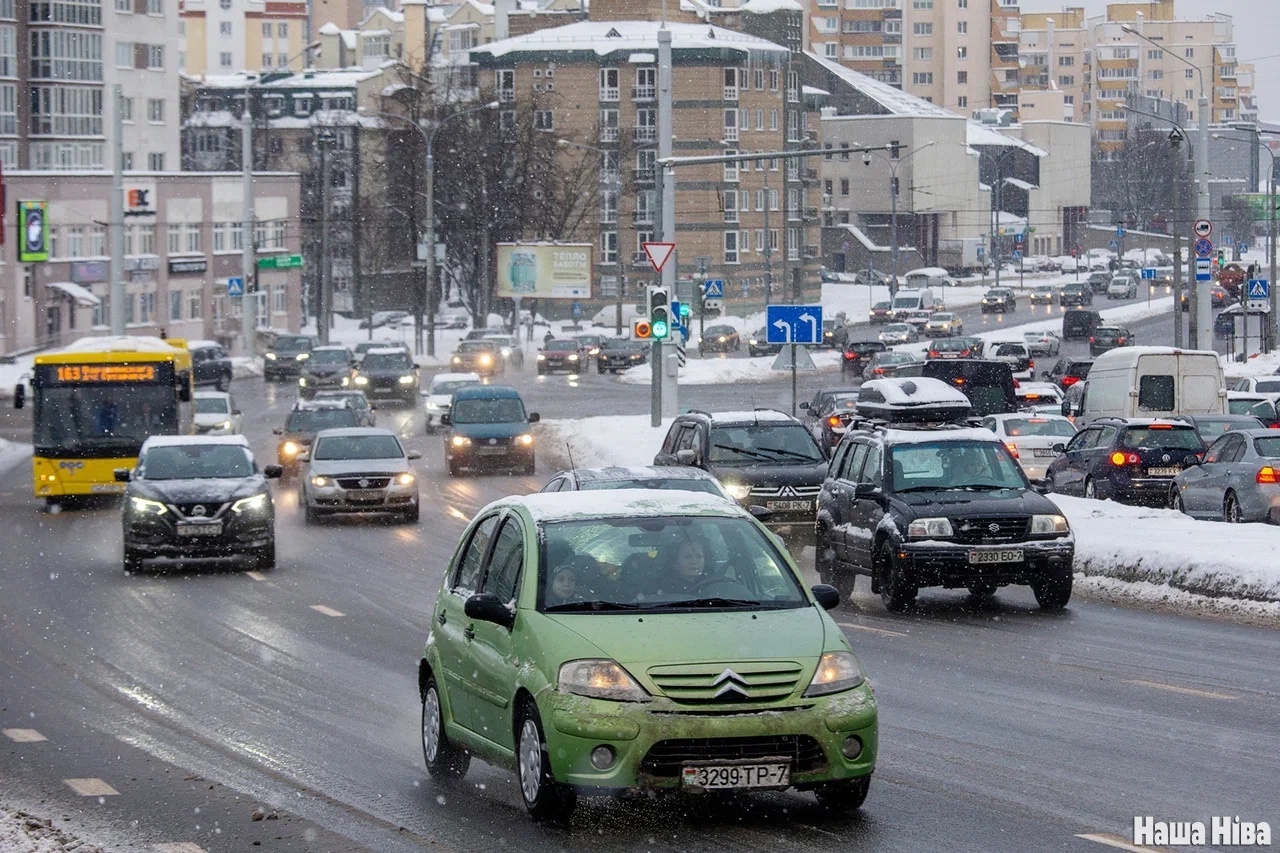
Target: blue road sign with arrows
{"x":1148,"y":273}
{"x":235,"y":286}
{"x":713,"y":288}
{"x":793,"y":324}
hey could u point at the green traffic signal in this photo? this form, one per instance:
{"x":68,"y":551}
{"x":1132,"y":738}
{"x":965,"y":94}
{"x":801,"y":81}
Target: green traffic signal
{"x":684,"y":309}
{"x":659,"y":329}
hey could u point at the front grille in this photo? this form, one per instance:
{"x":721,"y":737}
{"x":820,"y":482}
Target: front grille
{"x":666,"y":757}
{"x":991,"y":530}
{"x":720,"y":683}
{"x":490,"y":442}
{"x":364,"y":482}
{"x":785,"y":491}
{"x":207,"y":509}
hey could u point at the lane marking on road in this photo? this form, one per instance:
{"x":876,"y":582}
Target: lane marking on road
{"x":885,"y":631}
{"x":458,"y":514}
{"x":1207,"y":694}
{"x":178,"y":847}
{"x":257,"y":576}
{"x":90,"y":787}
{"x":1116,"y":841}
{"x":327,"y":611}
{"x":24,"y":735}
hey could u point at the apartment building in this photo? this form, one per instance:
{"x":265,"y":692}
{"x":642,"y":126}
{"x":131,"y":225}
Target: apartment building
{"x":182,"y":242}
{"x":55,"y":93}
{"x":228,"y":36}
{"x":594,"y":83}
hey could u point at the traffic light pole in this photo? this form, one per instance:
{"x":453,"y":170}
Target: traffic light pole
{"x":665,"y":400}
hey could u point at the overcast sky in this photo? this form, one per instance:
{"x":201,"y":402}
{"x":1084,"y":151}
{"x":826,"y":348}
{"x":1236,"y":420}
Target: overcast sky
{"x":1257,"y":32}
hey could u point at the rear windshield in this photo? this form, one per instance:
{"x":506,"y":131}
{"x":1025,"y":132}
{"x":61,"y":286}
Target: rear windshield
{"x":1010,"y":349}
{"x":1039,"y":426}
{"x":988,"y":385}
{"x":1156,"y":393}
{"x":1107,"y":331}
{"x":1161,"y":438}
{"x":1210,"y":429}
{"x":946,"y":345}
{"x":1267,"y":386}
{"x":1257,"y":408}
{"x":314,"y":420}
{"x":1079,"y":368}
{"x":894,"y":358}
{"x":1268,"y":447}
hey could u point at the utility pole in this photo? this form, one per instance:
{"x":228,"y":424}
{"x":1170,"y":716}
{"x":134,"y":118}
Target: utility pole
{"x":249,"y":301}
{"x":1204,"y":305}
{"x":116,"y":215}
{"x":324,"y":314}
{"x":665,"y":400}
{"x":768,"y":241}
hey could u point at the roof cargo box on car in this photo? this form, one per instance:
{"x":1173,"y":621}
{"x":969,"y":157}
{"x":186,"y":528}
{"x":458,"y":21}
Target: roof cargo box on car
{"x":912,"y":400}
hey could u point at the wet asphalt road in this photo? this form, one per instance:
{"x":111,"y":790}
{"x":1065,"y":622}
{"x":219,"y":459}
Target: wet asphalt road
{"x":203,"y":694}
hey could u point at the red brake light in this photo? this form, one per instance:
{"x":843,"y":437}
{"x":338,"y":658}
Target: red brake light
{"x":1012,"y":449}
{"x":1119,"y":459}
{"x":1119,"y":340}
{"x":1070,"y":380}
{"x":1093,"y":340}
{"x":964,"y":353}
{"x":1268,"y":475}
{"x":878,"y":370}
{"x":1160,"y":426}
{"x":851,"y":355}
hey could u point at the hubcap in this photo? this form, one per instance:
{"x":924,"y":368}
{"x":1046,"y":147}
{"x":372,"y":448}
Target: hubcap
{"x":530,"y":761}
{"x":431,"y":725}
{"x":1090,"y":490}
{"x":1233,"y":511}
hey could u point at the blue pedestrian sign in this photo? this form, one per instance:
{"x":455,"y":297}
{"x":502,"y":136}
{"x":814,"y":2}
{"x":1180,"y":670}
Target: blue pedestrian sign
{"x":1113,"y":245}
{"x":1119,"y":233}
{"x":1259,"y":289}
{"x":713,"y":288}
{"x":1204,"y":247}
{"x":235,"y":286}
{"x":1017,"y":255}
{"x":793,"y":324}
{"x":1243,"y":248}
{"x":1148,"y":273}
{"x":577,"y":309}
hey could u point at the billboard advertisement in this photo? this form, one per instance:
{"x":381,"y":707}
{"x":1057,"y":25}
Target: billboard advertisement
{"x":544,"y":270}
{"x":33,"y":232}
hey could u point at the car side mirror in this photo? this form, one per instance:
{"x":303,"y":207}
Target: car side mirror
{"x":804,"y":406}
{"x":1192,"y":460}
{"x":486,"y":607}
{"x":1044,"y":374}
{"x":304,"y":456}
{"x":121,"y":475}
{"x":19,"y":396}
{"x":1059,"y":448}
{"x":445,"y":419}
{"x":273,"y":472}
{"x":687,"y":456}
{"x":414,"y":454}
{"x":236,"y":412}
{"x":534,"y":417}
{"x":827,"y":596}
{"x":277,"y":431}
{"x":760,"y":513}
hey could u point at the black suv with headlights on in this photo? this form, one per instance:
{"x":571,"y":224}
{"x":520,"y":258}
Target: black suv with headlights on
{"x":932,"y":501}
{"x":286,"y":355}
{"x":197,"y":497}
{"x":388,"y":372}
{"x":328,"y":368}
{"x":305,"y":420}
{"x":763,"y":457}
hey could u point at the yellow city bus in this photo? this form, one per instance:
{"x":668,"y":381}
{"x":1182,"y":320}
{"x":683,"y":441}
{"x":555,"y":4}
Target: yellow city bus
{"x":95,"y":402}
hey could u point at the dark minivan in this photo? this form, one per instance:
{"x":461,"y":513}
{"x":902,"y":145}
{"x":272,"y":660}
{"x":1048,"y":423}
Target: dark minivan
{"x":1080,"y":324}
{"x":988,"y":384}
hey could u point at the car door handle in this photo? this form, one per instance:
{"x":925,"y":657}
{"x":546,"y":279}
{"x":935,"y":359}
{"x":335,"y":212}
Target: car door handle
{"x":442,"y":618}
{"x":469,"y":632}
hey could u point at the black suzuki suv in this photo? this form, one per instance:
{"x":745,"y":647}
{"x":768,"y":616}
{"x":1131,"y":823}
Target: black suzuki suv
{"x":931,"y":501}
{"x":763,"y":457}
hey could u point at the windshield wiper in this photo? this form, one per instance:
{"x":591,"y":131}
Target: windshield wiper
{"x":790,"y":453}
{"x":744,"y":452}
{"x":921,"y":489}
{"x":981,"y":487}
{"x":570,"y":606}
{"x":712,"y":601}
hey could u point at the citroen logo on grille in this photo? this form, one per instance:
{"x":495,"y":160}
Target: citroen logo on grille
{"x":993,"y":527}
{"x":198,"y":510}
{"x":364,"y":483}
{"x":730,"y":682}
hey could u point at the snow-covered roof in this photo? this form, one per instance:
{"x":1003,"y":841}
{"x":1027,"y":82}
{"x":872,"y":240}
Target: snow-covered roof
{"x":924,"y":436}
{"x":640,"y":472}
{"x":813,"y":90}
{"x":120,"y":343}
{"x":1020,"y":184}
{"x":769,"y":415}
{"x":198,"y":343}
{"x":605,"y":37}
{"x":765,"y":7}
{"x":979,"y":134}
{"x":455,"y":377}
{"x":639,"y":503}
{"x":915,"y":391}
{"x":188,"y":440}
{"x":1121,"y":355}
{"x":82,"y":295}
{"x":330,"y":29}
{"x":333,"y":79}
{"x":212,"y":395}
{"x":894,"y":101}
{"x":932,"y":272}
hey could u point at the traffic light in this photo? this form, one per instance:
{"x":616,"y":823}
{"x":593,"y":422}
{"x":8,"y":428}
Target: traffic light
{"x":659,"y":313}
{"x":1222,"y":257}
{"x":684,"y":312}
{"x":641,"y":330}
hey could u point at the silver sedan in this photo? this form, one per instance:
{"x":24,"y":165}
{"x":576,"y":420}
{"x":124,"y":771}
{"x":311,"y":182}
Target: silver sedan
{"x":357,"y":470}
{"x":899,"y":333}
{"x":1238,"y":481}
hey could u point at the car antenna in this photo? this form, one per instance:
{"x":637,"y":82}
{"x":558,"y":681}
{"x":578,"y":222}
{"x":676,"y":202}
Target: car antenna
{"x":569,"y":449}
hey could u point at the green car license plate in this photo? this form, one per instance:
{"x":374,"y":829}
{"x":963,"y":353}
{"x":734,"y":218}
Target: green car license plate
{"x":1004,"y":555}
{"x":736,"y":775}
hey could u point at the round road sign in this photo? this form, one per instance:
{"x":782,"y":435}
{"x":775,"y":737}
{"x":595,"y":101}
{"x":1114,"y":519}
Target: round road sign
{"x":1203,"y":228}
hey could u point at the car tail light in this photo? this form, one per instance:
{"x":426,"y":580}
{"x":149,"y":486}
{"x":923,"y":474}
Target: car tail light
{"x":878,"y":371}
{"x":964,"y":353}
{"x":1159,"y":426}
{"x":1031,"y":364}
{"x":1267,"y":474}
{"x":1093,"y":340}
{"x":1119,"y":459}
{"x":1119,"y":340}
{"x":850,"y":355}
{"x":1017,"y":384}
{"x":1069,"y":380}
{"x":1013,"y":449}
{"x":834,"y":420}
{"x":933,"y":353}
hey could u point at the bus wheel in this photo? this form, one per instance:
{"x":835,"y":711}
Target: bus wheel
{"x":53,"y":504}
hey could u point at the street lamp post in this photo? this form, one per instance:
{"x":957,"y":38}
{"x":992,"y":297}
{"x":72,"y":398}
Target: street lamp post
{"x":1273,"y":297}
{"x":997,"y":203}
{"x":614,"y":179}
{"x":894,"y":163}
{"x":1204,"y":308}
{"x":428,"y":234}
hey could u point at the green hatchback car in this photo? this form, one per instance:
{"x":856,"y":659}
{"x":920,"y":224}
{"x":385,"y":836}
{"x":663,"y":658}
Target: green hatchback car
{"x":607,"y":642}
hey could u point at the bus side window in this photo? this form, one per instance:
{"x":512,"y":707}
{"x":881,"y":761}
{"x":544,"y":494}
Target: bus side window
{"x":184,"y":386}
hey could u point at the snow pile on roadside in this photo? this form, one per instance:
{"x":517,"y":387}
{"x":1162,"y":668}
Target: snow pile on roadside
{"x":1170,"y":550}
{"x":242,"y":367}
{"x":716,"y":371}
{"x":1257,"y":365}
{"x":12,"y":374}
{"x":21,"y":832}
{"x":12,"y":454}
{"x":600,"y":441}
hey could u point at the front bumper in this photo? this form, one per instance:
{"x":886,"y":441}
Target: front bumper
{"x":549,"y":365}
{"x":285,"y":366}
{"x":654,"y":740}
{"x":392,"y":498}
{"x":481,"y":454}
{"x":389,"y":389}
{"x":607,"y":363}
{"x":946,"y":564}
{"x":157,"y":536}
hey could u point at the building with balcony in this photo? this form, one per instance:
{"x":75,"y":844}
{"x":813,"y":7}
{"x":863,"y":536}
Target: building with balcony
{"x":594,"y":83}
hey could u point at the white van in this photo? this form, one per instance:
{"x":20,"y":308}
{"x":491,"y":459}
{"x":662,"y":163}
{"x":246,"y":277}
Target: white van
{"x":927,"y":277}
{"x":1153,"y":382}
{"x":915,"y":306}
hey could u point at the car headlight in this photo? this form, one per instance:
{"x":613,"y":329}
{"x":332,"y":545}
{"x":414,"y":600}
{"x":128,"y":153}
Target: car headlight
{"x":457,"y":359}
{"x":289,"y":448}
{"x":432,"y":407}
{"x":321,"y":482}
{"x":541,"y":357}
{"x":599,"y":679}
{"x":405,"y":479}
{"x":303,"y":356}
{"x":253,"y":504}
{"x":737,"y":491}
{"x":302,"y":382}
{"x":930,"y":528}
{"x":147,"y":507}
{"x":836,"y":672}
{"x":223,"y":425}
{"x":721,"y":339}
{"x":753,"y":342}
{"x":271,"y":356}
{"x":405,"y":380}
{"x":346,"y":380}
{"x":1048,"y":524}
{"x":486,"y":359}
{"x":459,"y":441}
{"x":506,"y":352}
{"x":573,"y":357}
{"x":362,"y":380}
{"x":525,"y":440}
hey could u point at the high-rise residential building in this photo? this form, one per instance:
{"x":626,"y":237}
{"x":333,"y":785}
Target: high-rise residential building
{"x":228,"y":36}
{"x":948,"y":52}
{"x":55,"y":92}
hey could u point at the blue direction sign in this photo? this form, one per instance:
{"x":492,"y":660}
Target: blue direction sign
{"x":713,"y":288}
{"x":1119,"y":233}
{"x":1204,"y":247}
{"x":793,"y":324}
{"x":1259,"y":289}
{"x":1243,"y":248}
{"x":1016,"y":254}
{"x":1228,"y":240}
{"x":1148,"y":273}
{"x":1204,"y":270}
{"x":235,"y":286}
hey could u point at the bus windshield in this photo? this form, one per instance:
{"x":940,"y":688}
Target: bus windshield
{"x":102,"y":416}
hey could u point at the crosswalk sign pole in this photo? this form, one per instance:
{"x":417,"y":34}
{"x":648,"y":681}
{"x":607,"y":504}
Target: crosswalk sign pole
{"x":793,"y":380}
